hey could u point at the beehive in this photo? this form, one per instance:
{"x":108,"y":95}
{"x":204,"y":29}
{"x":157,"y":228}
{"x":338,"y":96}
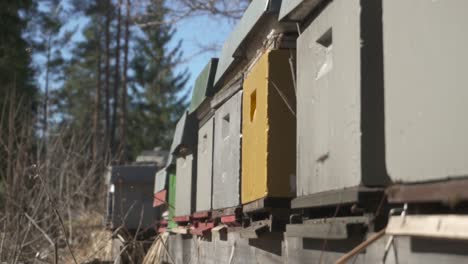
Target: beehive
{"x":370,"y":105}
{"x":227,"y":149}
{"x":268,"y":129}
{"x":201,"y":108}
{"x":132,"y":188}
{"x":205,"y":166}
{"x":426,"y":91}
{"x":184,"y":151}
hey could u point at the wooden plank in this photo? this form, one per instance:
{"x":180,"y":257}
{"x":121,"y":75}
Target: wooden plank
{"x":201,"y":215}
{"x":447,"y":191}
{"x":322,"y":231}
{"x":365,"y":220}
{"x":179,"y":230}
{"x":432,"y":226}
{"x":181,"y":219}
{"x":255,"y":230}
{"x":266,"y":204}
{"x":351,"y":195}
{"x":224,"y":94}
{"x":326,"y":228}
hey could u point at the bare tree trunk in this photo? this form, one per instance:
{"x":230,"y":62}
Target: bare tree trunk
{"x":107,"y":78}
{"x":10,"y":142}
{"x":97,"y":103}
{"x":46,"y":94}
{"x":116,"y":79}
{"x":123,"y":115}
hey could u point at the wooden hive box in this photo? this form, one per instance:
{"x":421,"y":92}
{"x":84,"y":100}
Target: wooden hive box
{"x":379,"y":98}
{"x":268,"y":129}
{"x":133,"y":187}
{"x":201,"y":107}
{"x":184,"y":150}
{"x":227,"y":149}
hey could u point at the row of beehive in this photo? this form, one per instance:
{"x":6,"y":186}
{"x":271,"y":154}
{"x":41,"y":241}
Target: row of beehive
{"x":379,"y":100}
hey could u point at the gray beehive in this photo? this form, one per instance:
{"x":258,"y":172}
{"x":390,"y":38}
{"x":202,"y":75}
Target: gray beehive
{"x":332,"y":148}
{"x":227,"y":146}
{"x":205,"y":166}
{"x":184,"y":150}
{"x":426,"y":89}
{"x":369,"y":77}
{"x":131,"y":189}
{"x":185,"y":185}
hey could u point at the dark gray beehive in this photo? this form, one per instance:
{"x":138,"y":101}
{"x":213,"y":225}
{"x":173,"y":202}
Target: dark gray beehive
{"x":131,"y":196}
{"x":184,"y":151}
{"x":379,"y":93}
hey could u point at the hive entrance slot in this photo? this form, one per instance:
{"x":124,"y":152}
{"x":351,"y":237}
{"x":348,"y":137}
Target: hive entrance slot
{"x":253,"y":105}
{"x":226,"y":126}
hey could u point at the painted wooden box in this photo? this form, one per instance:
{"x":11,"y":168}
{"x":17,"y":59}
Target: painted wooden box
{"x":131,"y":187}
{"x":269,"y":129}
{"x":185,"y":153}
{"x":227,"y":157}
{"x":425,"y":80}
{"x":171,"y":198}
{"x":371,"y":108}
{"x":205,"y":166}
{"x":201,"y":107}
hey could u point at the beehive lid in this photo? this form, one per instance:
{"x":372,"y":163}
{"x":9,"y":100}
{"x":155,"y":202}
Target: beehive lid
{"x":297,"y":10}
{"x":185,"y":134}
{"x":133,"y":174}
{"x":204,"y":85}
{"x":252,"y":16}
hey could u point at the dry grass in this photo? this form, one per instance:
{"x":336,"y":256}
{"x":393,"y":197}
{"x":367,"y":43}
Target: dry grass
{"x":93,"y":241}
{"x":48,"y":189}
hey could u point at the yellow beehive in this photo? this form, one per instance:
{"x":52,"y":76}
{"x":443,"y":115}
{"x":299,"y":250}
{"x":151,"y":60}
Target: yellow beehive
{"x":269,"y":129}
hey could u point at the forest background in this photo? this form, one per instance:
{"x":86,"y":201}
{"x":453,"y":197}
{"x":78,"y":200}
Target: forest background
{"x":85,"y":84}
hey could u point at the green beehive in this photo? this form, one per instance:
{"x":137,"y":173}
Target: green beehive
{"x":171,"y":202}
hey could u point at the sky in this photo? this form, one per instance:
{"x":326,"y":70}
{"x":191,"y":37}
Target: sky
{"x":196,"y":32}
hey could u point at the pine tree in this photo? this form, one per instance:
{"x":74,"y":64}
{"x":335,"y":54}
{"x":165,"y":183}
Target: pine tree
{"x":15,"y":52}
{"x":146,"y":112}
{"x":159,"y":94}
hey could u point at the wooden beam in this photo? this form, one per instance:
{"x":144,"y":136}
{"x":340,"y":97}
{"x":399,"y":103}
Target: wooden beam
{"x":451,"y":191}
{"x":327,"y":228}
{"x":431,"y":226}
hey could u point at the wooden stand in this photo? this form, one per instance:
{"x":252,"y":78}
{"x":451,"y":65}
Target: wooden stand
{"x":231,"y":217}
{"x":202,"y":223}
{"x":266,"y":215}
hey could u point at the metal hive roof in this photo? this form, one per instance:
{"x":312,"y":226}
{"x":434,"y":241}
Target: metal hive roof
{"x":204,"y":85}
{"x":256,"y":10}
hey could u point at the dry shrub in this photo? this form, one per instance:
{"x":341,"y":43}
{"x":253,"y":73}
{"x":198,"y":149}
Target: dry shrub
{"x":46,"y":188}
